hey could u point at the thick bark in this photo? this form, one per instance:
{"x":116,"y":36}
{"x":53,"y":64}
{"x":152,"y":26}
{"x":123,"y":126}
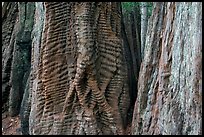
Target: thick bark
{"x":31,"y":85}
{"x":69,"y":68}
{"x":35,"y":61}
{"x":77,"y":81}
{"x":80,"y":86}
{"x":169,"y":88}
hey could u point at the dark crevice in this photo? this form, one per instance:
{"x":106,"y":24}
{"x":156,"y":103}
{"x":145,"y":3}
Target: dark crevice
{"x":132,"y":57}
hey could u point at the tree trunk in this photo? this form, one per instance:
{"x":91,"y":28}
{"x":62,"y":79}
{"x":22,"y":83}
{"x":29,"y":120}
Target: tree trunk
{"x":9,"y":17}
{"x":80,"y":84}
{"x":72,"y":68}
{"x":169,"y":88}
{"x":31,"y":85}
{"x":77,"y":80}
{"x":16,"y":36}
{"x":21,"y":55}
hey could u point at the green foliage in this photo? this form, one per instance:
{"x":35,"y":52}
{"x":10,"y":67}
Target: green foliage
{"x":129,"y":6}
{"x":149,"y":8}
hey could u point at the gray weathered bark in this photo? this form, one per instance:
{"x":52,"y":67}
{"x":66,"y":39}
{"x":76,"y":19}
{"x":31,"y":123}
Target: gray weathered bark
{"x":35,"y":61}
{"x":169,"y":88}
{"x":9,"y":19}
{"x":21,"y":55}
{"x":16,"y":38}
{"x":30,"y":90}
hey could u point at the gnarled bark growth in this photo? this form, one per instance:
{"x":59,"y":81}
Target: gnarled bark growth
{"x":80,"y":87}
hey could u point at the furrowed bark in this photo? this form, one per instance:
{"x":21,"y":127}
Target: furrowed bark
{"x":81,"y":77}
{"x":169,"y":89}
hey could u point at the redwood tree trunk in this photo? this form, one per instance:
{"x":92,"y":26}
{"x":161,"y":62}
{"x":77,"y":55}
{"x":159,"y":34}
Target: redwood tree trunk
{"x":65,"y":69}
{"x":78,"y":72}
{"x":169,"y":88}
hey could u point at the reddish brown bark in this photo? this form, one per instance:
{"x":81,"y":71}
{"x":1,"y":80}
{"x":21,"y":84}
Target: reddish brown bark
{"x":80,"y":79}
{"x":169,"y":88}
{"x":78,"y":82}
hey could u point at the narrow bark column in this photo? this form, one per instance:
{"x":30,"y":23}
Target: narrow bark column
{"x":17,"y":27}
{"x":30,"y":83}
{"x":169,"y":88}
{"x":144,"y":25}
{"x":9,"y":20}
{"x":35,"y":61}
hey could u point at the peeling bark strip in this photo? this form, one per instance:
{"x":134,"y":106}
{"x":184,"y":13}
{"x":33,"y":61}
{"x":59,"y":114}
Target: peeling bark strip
{"x":169,"y":88}
{"x":81,"y":86}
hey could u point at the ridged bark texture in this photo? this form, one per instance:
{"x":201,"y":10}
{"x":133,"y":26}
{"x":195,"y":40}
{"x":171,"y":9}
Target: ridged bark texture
{"x":35,"y":61}
{"x":169,"y":88}
{"x":79,"y":83}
